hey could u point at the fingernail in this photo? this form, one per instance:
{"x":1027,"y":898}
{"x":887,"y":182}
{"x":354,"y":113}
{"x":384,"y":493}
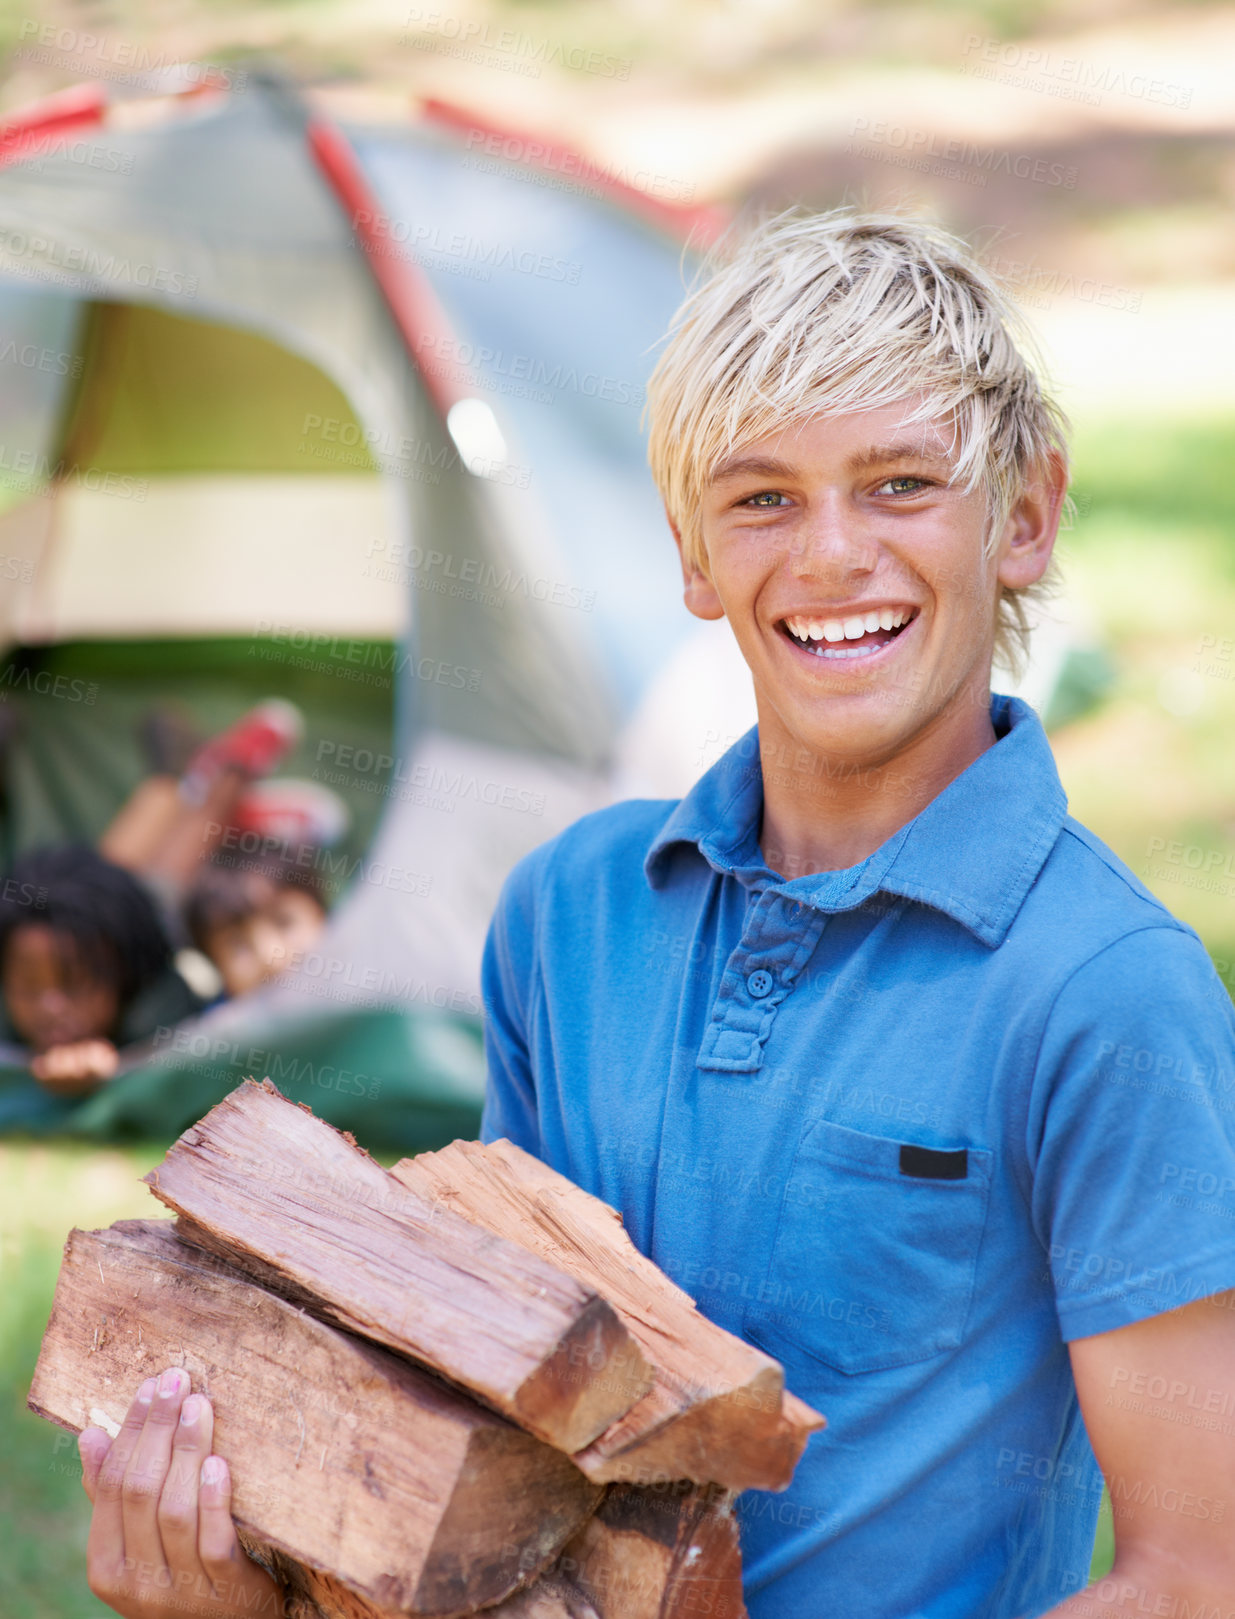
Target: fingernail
{"x":146,"y":1393}
{"x":190,"y":1410}
{"x":171,"y":1381}
{"x":214,"y":1470}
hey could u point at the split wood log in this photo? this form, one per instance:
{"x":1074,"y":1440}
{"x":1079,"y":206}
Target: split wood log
{"x":718,"y":1410}
{"x":645,"y":1554}
{"x":306,"y":1212}
{"x":383,"y":1490}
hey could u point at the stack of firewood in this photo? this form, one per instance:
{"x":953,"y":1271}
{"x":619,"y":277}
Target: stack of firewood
{"x":448,"y":1386}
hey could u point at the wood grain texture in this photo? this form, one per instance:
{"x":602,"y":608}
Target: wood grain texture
{"x":309,"y":1214}
{"x":646,"y":1554}
{"x":380,"y":1488}
{"x":717,"y":1410}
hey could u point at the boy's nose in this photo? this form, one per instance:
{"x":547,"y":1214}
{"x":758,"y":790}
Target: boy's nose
{"x":833,"y":539}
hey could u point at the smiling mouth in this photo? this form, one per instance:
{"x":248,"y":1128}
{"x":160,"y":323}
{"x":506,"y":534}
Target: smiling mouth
{"x":857,"y":635}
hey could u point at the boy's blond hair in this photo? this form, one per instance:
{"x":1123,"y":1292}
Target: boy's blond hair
{"x":841,"y":311}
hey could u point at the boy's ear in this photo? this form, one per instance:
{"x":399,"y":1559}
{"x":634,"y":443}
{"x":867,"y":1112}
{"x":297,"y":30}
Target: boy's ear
{"x":699,"y":593}
{"x":1033,"y":526}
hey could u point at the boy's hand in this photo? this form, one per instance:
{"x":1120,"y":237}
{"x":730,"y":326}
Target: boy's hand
{"x":77,"y":1067}
{"x":162,"y":1542}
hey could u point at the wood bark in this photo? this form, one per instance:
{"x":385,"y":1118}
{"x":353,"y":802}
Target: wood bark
{"x":379,"y":1489}
{"x":309,"y":1214}
{"x":717,"y":1410}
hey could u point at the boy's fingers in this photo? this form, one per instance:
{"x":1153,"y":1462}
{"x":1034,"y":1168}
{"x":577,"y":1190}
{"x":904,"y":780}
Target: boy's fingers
{"x":105,"y":1548}
{"x":237,"y":1578}
{"x":217,"y":1545}
{"x":147,"y":1470}
{"x":178,"y":1504}
{"x":92,"y":1446}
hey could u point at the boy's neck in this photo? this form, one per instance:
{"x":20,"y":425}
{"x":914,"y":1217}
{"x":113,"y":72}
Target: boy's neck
{"x":825,"y":812}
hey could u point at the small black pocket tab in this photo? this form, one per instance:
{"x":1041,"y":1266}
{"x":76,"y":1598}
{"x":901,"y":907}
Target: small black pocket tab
{"x":933,"y":1164}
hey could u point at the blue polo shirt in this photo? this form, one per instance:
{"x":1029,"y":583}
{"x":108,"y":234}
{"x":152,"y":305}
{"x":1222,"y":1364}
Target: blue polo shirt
{"x":911,"y":1127}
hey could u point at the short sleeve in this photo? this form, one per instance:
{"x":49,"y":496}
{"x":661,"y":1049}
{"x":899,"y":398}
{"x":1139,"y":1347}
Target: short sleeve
{"x":507,"y":974}
{"x":1132,"y":1134}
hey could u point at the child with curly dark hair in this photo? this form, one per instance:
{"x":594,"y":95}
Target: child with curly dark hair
{"x":83,"y":959}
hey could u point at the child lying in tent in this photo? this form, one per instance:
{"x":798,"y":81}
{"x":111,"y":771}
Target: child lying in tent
{"x":86,"y":938}
{"x":254,"y":918}
{"x":85,"y":966}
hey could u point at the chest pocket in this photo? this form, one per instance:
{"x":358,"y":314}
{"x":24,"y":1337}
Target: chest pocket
{"x":876,"y":1249}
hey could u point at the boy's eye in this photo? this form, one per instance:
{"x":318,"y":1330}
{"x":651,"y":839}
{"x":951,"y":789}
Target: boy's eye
{"x":768,"y":499}
{"x":904,"y":485}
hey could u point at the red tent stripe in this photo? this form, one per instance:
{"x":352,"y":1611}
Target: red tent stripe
{"x":421,"y":319}
{"x":42,"y":127}
{"x":702,"y":223}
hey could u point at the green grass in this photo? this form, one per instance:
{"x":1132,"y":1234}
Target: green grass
{"x":44,"y":1190}
{"x":1153,"y":559}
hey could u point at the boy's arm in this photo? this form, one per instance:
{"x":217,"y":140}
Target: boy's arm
{"x":1169,"y":1460}
{"x":507,"y":979}
{"x":1132,"y":1138}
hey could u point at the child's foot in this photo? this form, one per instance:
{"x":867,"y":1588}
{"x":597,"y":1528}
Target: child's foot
{"x":254,"y":745}
{"x":169,"y":737}
{"x":292,"y":811}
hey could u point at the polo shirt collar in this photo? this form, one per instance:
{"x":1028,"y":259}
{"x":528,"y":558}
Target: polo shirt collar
{"x":974,"y":852}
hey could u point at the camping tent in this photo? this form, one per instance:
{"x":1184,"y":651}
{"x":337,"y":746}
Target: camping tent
{"x":351,"y":414}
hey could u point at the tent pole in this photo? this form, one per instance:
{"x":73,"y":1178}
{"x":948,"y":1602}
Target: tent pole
{"x":418,"y":313}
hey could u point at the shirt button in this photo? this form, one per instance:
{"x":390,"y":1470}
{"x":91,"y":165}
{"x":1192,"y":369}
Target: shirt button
{"x":759,"y":984}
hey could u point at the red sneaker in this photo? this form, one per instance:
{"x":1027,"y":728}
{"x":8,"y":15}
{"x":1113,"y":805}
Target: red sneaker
{"x":254,"y":745}
{"x":292,"y":812}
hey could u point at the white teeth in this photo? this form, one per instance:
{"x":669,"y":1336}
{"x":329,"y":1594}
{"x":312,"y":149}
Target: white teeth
{"x":853,"y":628}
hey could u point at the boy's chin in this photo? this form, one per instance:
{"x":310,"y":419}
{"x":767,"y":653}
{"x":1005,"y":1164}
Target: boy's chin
{"x":854,"y":724}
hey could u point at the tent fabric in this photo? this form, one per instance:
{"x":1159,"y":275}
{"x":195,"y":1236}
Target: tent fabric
{"x":213,"y":331}
{"x":536,"y":575}
{"x":398,"y":1083}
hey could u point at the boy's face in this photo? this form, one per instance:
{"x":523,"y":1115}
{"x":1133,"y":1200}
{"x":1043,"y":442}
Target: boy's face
{"x":263,"y":944}
{"x":848,"y":523}
{"x":53,"y":997}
